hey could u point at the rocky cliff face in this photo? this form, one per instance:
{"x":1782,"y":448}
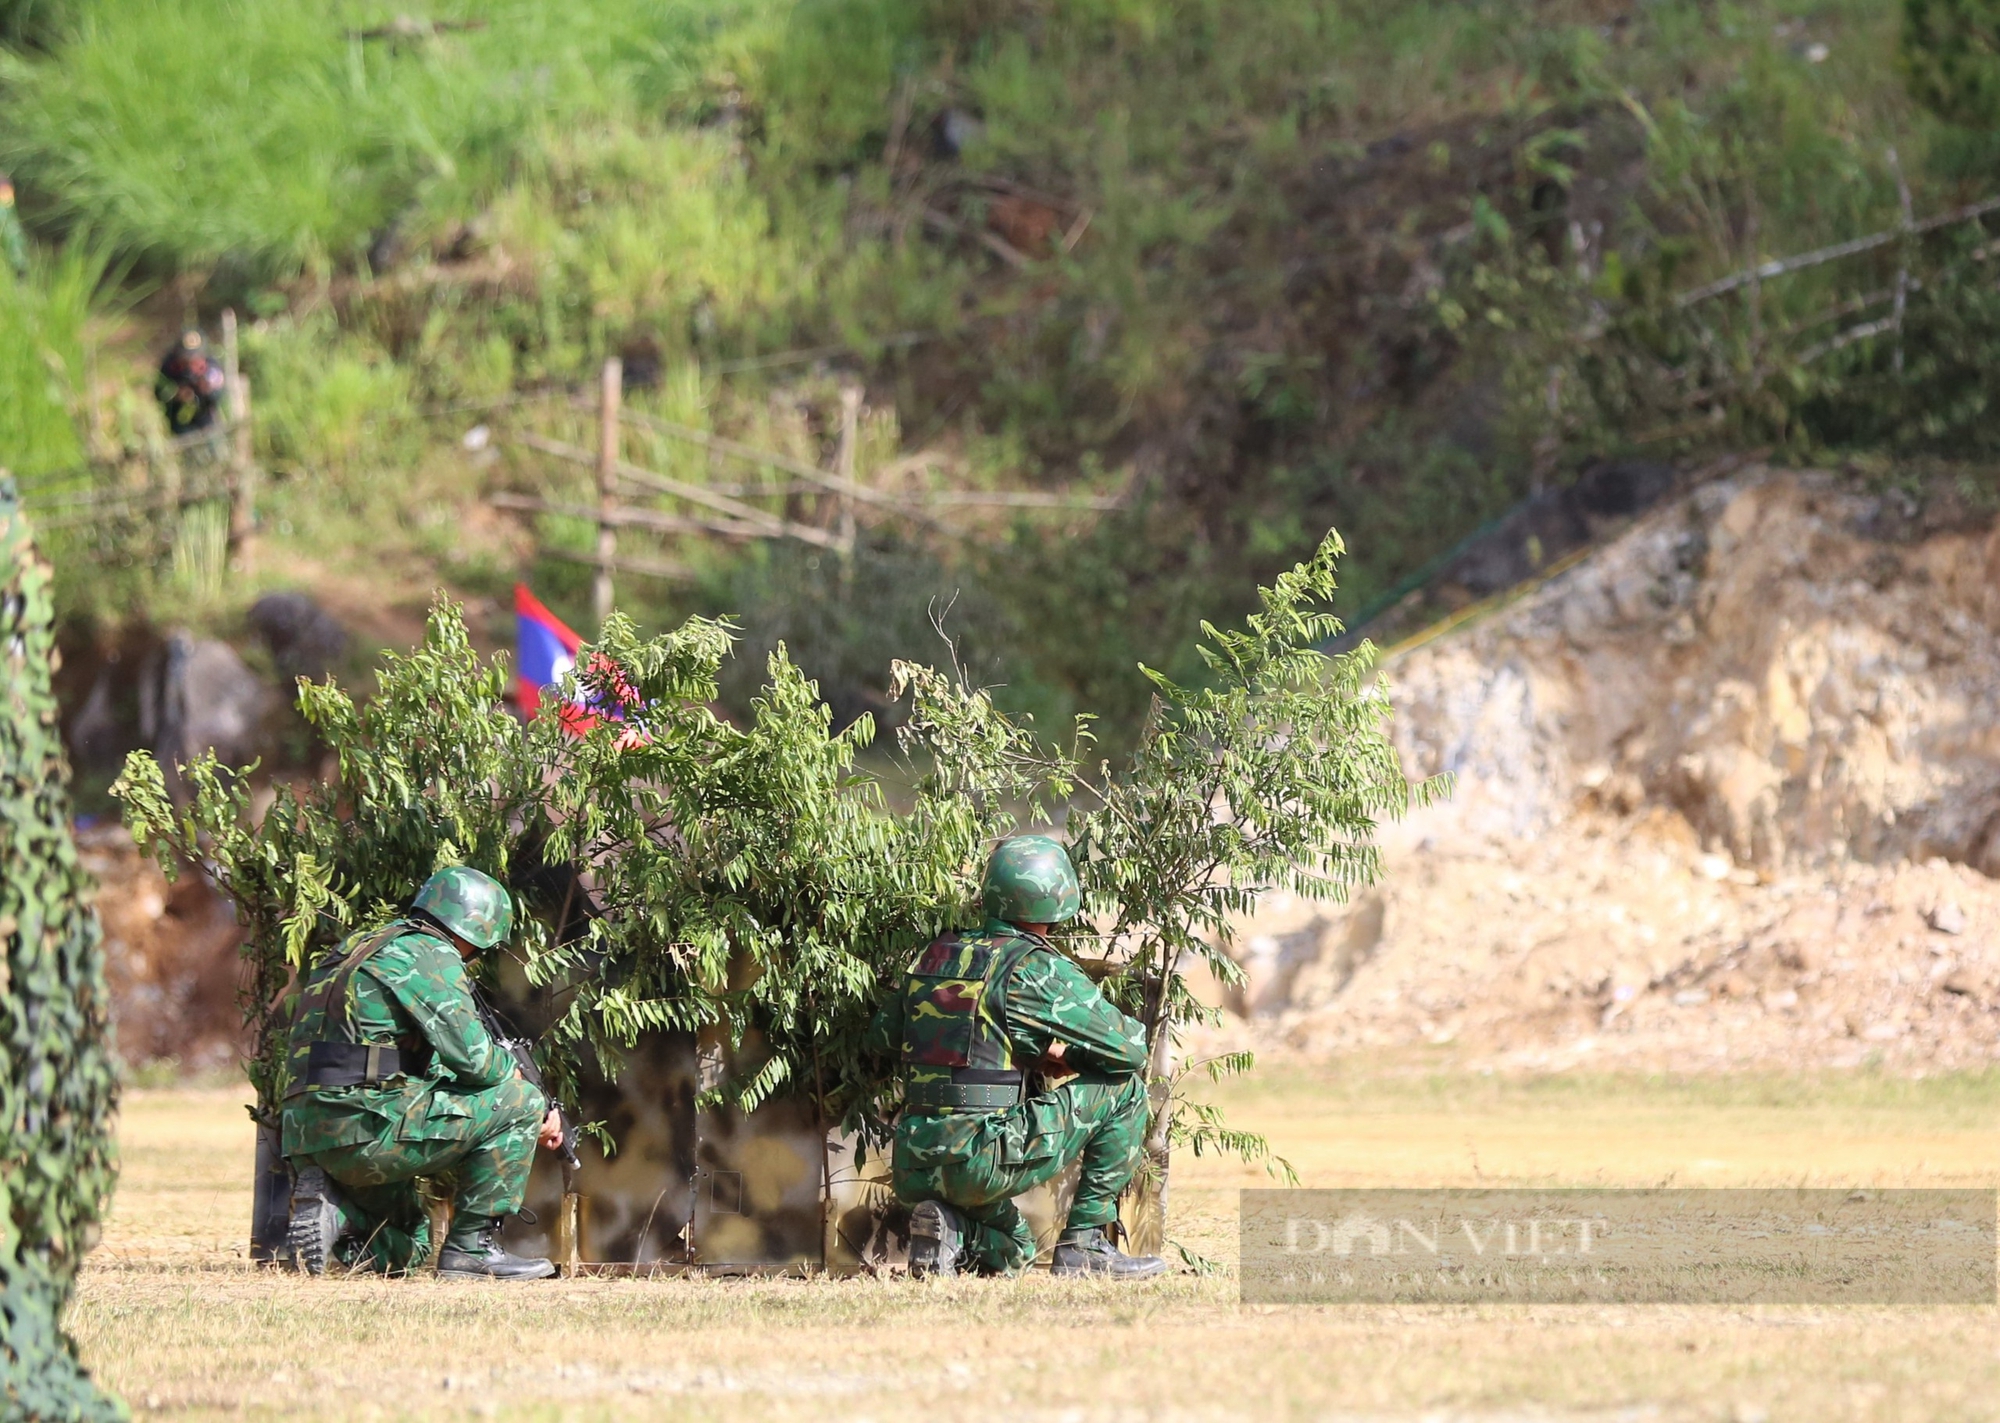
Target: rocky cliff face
{"x":1728,"y":793}
{"x":1791,"y":666}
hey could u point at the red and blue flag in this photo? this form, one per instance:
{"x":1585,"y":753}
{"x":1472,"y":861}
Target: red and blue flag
{"x":544,"y":653}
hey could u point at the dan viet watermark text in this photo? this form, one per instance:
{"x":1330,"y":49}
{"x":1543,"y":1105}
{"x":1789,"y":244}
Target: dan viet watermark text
{"x":1688,"y":1246}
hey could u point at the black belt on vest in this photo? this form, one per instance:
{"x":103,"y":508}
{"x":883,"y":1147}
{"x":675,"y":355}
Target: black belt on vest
{"x":975,"y":1089}
{"x":350,"y":1064}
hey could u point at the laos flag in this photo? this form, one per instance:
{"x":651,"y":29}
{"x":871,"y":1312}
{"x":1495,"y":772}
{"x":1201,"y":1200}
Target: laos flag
{"x":545,"y":651}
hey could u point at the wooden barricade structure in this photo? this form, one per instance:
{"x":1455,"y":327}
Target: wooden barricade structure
{"x":728,"y":512}
{"x":1749,"y":336}
{"x":150,"y":490}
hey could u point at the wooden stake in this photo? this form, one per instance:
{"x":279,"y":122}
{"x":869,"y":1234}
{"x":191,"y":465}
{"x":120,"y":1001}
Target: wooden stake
{"x":230,"y":368}
{"x":609,"y":399}
{"x":243,"y":483}
{"x":1905,"y":227}
{"x":439,"y":1209}
{"x":242,"y":470}
{"x":1754,"y":291}
{"x":569,"y":1232}
{"x":1144,"y":1205}
{"x":850,"y":424}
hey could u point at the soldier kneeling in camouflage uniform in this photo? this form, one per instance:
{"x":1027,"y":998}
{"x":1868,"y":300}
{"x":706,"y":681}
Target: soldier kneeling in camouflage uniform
{"x":394,"y":1074}
{"x":974,"y":1010}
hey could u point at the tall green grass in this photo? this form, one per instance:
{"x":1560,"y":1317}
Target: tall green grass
{"x":43,"y":366}
{"x":264,"y":132}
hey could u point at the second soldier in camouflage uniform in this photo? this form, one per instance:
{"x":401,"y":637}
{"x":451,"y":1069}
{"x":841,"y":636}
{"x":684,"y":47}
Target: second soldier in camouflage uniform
{"x":971,"y":1013}
{"x":393,"y":1075}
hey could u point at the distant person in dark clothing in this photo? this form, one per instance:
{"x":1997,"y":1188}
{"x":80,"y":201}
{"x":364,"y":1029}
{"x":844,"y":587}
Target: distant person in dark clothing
{"x":189,"y":387}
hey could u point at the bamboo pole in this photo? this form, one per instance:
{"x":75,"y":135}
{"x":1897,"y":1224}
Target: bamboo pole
{"x":624,"y":516}
{"x":1766,"y":270}
{"x":744,"y":521}
{"x":610,"y":396}
{"x":904,"y":505}
{"x":650,"y":479}
{"x":770,"y":459}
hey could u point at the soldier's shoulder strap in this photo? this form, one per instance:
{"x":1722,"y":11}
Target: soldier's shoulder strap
{"x":1015,"y":949}
{"x":1012,"y":953}
{"x":341,"y":980}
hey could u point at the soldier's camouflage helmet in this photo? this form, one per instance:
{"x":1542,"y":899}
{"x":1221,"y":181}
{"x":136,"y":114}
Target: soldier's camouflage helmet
{"x":474,"y":906}
{"x":1030,"y":880}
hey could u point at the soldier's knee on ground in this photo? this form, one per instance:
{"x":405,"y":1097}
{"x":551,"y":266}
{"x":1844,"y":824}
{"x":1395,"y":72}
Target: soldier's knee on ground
{"x":509,"y":1106}
{"x":1131,"y":1098}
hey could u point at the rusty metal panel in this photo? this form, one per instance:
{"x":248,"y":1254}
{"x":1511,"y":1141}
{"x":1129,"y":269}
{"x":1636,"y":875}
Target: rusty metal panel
{"x":721,"y":1191}
{"x":717,"y":1191}
{"x":710,"y":1190}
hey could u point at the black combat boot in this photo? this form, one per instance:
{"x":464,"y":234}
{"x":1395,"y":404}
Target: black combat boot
{"x":472,"y":1252}
{"x":937,"y":1239}
{"x":1090,"y":1252}
{"x":315,"y":1226}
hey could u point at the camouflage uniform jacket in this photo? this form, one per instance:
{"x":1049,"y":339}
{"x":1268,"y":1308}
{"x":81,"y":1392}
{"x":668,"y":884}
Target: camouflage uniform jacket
{"x":1044,"y":1000}
{"x":412,"y":993}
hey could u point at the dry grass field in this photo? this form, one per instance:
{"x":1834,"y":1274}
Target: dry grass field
{"x":171,"y":1315}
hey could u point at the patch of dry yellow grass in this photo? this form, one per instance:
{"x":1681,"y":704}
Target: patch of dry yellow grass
{"x":170,"y":1313}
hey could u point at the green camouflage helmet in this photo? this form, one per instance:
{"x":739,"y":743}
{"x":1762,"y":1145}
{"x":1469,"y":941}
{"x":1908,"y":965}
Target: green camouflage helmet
{"x":1030,"y":880}
{"x":474,"y":906}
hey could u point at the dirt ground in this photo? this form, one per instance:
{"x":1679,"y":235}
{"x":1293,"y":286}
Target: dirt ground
{"x":170,"y":1313}
{"x":1619,"y":944}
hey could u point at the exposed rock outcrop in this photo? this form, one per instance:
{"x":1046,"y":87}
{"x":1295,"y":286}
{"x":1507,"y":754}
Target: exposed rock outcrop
{"x":1750,"y":656}
{"x":1728,"y":793}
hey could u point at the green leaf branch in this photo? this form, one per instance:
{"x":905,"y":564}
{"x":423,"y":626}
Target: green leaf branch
{"x":753,"y":883}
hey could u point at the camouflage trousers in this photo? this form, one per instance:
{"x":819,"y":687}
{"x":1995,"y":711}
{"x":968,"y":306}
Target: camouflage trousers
{"x":978,"y":1162}
{"x":489,"y":1163}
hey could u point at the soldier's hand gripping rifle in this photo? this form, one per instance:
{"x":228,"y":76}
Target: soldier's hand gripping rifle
{"x":519,"y":1049}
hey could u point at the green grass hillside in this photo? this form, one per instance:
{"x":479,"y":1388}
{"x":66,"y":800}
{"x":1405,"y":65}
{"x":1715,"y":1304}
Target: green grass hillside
{"x":1257,"y":266}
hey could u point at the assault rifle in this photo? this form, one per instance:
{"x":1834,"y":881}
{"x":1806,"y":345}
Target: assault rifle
{"x":519,"y":1049}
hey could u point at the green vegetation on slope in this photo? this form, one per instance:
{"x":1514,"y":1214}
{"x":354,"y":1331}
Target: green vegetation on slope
{"x":1261,"y":264}
{"x":43,"y":324}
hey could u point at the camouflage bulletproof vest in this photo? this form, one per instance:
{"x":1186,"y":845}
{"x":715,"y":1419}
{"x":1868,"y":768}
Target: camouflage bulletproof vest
{"x":325,"y":1004}
{"x":955,"y":1048}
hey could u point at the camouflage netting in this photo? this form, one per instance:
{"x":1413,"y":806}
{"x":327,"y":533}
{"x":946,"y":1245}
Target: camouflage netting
{"x":56,"y":1162}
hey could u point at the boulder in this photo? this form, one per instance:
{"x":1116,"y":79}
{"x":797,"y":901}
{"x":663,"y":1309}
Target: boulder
{"x":200,"y":696}
{"x":305,"y":640}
